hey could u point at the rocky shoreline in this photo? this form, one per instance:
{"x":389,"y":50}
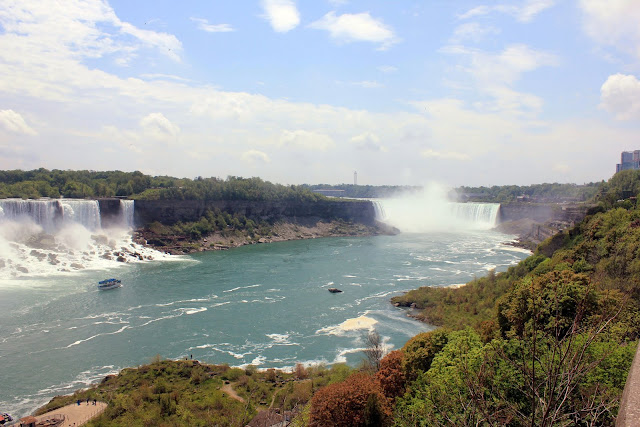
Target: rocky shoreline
{"x":279,"y":232}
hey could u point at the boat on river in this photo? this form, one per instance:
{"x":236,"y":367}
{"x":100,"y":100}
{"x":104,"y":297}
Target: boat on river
{"x":104,"y":285}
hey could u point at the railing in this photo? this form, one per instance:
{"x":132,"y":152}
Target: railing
{"x":629,"y":413}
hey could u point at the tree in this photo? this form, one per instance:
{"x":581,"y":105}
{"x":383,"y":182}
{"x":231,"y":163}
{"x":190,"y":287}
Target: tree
{"x":391,"y":376}
{"x":357,"y":401}
{"x":420,"y":350}
{"x":374,"y":350}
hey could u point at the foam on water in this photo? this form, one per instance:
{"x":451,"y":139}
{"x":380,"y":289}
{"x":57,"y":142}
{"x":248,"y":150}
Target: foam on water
{"x":357,"y":323}
{"x":45,"y":238}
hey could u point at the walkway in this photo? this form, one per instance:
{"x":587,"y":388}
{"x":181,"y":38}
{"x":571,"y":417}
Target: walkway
{"x":76,"y":415}
{"x":228,"y":388}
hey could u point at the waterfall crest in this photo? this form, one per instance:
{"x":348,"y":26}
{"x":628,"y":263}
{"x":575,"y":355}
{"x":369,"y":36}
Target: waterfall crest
{"x":49,"y":236}
{"x":416,"y":214}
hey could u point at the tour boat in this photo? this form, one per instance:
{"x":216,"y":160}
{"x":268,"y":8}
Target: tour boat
{"x":109,"y":284}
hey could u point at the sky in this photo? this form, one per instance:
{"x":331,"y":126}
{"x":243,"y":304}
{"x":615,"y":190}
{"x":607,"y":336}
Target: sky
{"x":462,"y":92}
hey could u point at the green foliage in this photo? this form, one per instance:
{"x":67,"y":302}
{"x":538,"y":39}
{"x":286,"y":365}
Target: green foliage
{"x":187,"y":393}
{"x":420,"y":350}
{"x":82,"y":184}
{"x":549,"y":303}
{"x":469,"y":305}
{"x":538,"y":192}
{"x":557,"y":329}
{"x":163,"y":393}
{"x":621,"y":186}
{"x":440,"y":395}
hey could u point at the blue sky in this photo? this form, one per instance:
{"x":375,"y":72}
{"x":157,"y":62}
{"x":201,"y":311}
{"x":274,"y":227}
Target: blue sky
{"x":405,"y":92}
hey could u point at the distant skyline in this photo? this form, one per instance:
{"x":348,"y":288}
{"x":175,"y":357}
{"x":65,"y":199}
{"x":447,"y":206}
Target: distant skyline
{"x":403,"y":92}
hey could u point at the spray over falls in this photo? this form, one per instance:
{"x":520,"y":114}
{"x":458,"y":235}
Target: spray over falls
{"x":49,"y":236}
{"x":431,"y":211}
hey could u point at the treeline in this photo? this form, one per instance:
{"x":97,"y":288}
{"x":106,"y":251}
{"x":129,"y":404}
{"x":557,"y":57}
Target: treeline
{"x":365,"y":191}
{"x":543,"y":193}
{"x":535,"y":193}
{"x":136,"y":185}
{"x":91,"y":184}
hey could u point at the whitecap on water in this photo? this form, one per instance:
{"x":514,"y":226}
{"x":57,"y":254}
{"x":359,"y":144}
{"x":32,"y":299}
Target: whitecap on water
{"x":353,"y":324}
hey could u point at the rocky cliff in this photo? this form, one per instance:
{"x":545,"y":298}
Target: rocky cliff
{"x":171,"y":211}
{"x":535,"y":222}
{"x":542,"y":212}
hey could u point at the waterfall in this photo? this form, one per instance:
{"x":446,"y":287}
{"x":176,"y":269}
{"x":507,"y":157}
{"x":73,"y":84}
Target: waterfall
{"x":378,"y":208}
{"x":53,"y":214}
{"x":127,"y":209}
{"x":83,"y":212}
{"x":56,"y":236}
{"x":420,"y":214}
{"x":46,"y":213}
{"x":484,"y":215}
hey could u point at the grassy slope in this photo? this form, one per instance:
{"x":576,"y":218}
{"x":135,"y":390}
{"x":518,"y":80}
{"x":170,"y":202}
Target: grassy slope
{"x":187,"y":393}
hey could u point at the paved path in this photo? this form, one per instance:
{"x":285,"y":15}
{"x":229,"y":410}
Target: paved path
{"x":76,"y":415}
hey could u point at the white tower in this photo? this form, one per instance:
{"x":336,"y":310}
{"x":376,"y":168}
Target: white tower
{"x":355,"y":177}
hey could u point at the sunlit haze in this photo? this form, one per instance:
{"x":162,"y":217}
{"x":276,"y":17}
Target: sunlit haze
{"x":403,"y":92}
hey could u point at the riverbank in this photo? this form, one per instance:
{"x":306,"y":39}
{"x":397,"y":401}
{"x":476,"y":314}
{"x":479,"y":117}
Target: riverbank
{"x":180,"y":244}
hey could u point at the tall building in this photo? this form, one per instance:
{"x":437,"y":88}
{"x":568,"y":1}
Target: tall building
{"x":629,"y":160}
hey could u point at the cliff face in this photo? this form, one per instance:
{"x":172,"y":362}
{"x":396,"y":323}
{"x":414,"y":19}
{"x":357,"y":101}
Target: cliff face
{"x":171,"y":211}
{"x":541,"y":212}
{"x":110,"y":211}
{"x":534,"y":223}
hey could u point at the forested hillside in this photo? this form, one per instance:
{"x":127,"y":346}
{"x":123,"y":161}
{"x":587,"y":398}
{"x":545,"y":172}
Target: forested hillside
{"x":549,"y":342}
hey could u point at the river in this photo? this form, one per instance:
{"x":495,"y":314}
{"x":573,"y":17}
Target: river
{"x":265,"y":305}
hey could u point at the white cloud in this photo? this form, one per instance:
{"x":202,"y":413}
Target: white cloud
{"x":494,"y":74}
{"x":14,"y":122}
{"x":283,"y":15}
{"x":620,"y":95}
{"x":613,"y":23}
{"x":88,"y":29}
{"x":157,"y":125}
{"x":368,"y":141}
{"x":444,"y":155}
{"x":508,"y":65}
{"x":204,"y":25}
{"x":255,"y":156}
{"x":306,"y":140}
{"x":476,"y":11}
{"x":368,"y":84}
{"x":387,"y":69}
{"x":225,"y":133}
{"x":348,"y":28}
{"x":523,"y":13}
{"x":472,"y":31}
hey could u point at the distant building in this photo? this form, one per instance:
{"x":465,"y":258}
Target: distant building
{"x":629,"y":160}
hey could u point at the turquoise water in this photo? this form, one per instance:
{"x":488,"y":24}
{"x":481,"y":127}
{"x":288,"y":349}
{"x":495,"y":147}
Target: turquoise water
{"x":266,"y":305}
